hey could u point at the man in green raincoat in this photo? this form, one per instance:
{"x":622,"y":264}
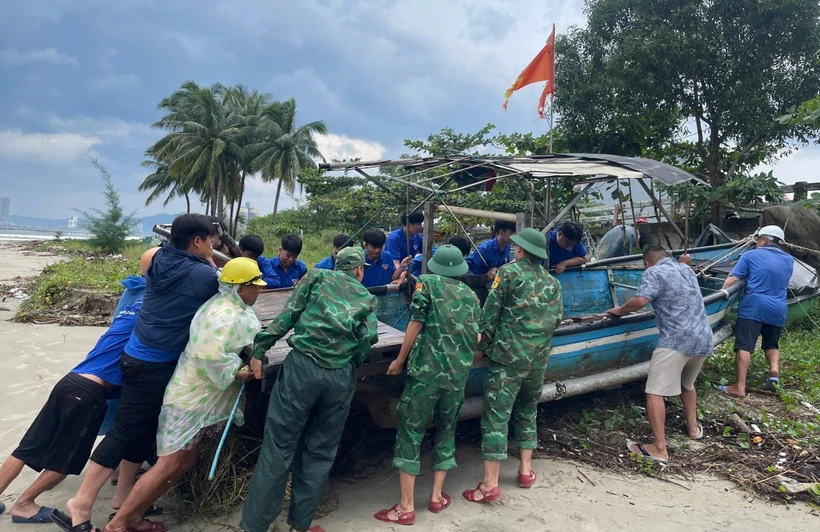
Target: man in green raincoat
{"x":520,"y":315}
{"x":334,"y":325}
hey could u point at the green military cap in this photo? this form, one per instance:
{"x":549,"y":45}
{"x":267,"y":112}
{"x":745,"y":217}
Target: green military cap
{"x":350,"y":258}
{"x":532,"y":241}
{"x":448,"y":261}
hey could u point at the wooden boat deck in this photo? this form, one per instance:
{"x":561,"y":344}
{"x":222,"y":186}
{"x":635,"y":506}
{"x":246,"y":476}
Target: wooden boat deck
{"x":270,"y":304}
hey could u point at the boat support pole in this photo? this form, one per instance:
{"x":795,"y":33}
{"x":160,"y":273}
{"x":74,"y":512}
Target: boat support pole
{"x":568,"y":207}
{"x":474,"y":406}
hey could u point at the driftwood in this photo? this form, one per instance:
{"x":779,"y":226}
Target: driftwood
{"x":737,"y":423}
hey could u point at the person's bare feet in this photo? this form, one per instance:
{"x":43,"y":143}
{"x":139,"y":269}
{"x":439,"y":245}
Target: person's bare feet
{"x":736,"y":391}
{"x":78,"y":514}
{"x":652,"y":449}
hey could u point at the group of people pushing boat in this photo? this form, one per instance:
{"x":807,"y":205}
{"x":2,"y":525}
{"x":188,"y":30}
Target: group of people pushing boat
{"x":172,"y":355}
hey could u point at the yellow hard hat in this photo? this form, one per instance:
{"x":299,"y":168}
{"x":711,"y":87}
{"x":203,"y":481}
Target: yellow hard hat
{"x":242,"y":270}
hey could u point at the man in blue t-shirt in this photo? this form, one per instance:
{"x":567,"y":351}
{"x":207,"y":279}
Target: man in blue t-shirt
{"x":412,"y":228}
{"x":489,"y":256}
{"x":179,"y":280}
{"x":381,"y":269}
{"x":762,"y":310}
{"x":459,"y":241}
{"x":339,"y":242}
{"x":287,"y":269}
{"x":60,"y":440}
{"x":566,"y":248}
{"x":253,"y":248}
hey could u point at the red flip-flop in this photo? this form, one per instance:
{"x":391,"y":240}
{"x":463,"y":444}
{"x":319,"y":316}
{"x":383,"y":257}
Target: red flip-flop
{"x":403,"y":518}
{"x":437,"y":507}
{"x":526,"y":481}
{"x":489,"y":496}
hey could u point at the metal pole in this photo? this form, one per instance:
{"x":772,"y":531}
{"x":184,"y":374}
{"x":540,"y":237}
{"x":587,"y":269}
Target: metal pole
{"x":427,"y":249}
{"x":568,"y":207}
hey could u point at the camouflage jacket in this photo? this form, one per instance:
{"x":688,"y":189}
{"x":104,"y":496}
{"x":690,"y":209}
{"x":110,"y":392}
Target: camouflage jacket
{"x":522,"y":311}
{"x":443,"y":351}
{"x":333,"y":320}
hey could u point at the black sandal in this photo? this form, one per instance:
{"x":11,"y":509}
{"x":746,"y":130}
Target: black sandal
{"x":64,"y":521}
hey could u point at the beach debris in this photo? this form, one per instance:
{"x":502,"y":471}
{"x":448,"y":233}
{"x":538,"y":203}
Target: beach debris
{"x":808,"y":406}
{"x":737,"y":423}
{"x":18,"y":293}
{"x":793,"y":487}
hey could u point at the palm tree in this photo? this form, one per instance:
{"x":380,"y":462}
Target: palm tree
{"x":160,"y":182}
{"x":283,"y":149}
{"x":246,"y":112}
{"x":203,"y":142}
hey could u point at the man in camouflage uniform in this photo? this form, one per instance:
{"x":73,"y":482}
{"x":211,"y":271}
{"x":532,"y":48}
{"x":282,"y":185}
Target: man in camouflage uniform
{"x":334,"y":325}
{"x":440,"y":339}
{"x":522,"y":311}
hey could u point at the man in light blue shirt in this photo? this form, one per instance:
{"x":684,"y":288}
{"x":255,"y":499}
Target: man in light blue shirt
{"x":412,"y":228}
{"x":762,"y":311}
{"x":492,"y":254}
{"x":329,"y":263}
{"x":685,"y":340}
{"x":381,"y":268}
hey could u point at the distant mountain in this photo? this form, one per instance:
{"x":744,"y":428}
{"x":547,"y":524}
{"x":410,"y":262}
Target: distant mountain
{"x":48,"y":223}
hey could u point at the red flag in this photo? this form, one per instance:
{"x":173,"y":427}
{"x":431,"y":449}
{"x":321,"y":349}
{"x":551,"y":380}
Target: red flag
{"x":542,"y":68}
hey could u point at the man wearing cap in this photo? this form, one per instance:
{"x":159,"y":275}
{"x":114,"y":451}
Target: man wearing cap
{"x":522,"y":311}
{"x":762,"y":311}
{"x":334,"y":324}
{"x":440,"y":339}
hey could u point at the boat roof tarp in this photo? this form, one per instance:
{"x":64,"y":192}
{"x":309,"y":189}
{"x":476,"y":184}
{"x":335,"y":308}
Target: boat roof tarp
{"x":591,"y":166}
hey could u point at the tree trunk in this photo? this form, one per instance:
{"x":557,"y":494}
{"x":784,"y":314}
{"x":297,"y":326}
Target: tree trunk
{"x":239,"y":203}
{"x":276,"y":203}
{"x":231,"y":228}
{"x":716,"y":177}
{"x":187,"y":204}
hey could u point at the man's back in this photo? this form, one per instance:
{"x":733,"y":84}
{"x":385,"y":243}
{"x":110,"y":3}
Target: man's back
{"x":443,"y":352}
{"x":177,"y":284}
{"x":332,"y":316}
{"x":767,"y":271}
{"x":680,"y":316}
{"x":520,"y":315}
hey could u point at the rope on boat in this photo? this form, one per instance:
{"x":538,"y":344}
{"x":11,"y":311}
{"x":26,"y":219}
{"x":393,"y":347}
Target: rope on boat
{"x":701,"y":269}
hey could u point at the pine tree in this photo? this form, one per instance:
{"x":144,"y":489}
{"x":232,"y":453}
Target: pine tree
{"x":109,"y":228}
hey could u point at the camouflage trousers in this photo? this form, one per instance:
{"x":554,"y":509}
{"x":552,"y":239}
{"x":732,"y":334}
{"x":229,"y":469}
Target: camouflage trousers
{"x":419,"y":402}
{"x":510,"y":392}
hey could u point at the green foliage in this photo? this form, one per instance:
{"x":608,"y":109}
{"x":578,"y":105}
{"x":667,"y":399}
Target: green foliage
{"x":109,"y":228}
{"x":58,"y":236}
{"x":448,"y":142}
{"x":51,"y":289}
{"x":812,"y":202}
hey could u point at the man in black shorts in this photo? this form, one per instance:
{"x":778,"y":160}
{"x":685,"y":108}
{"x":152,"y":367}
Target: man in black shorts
{"x":762,"y":311}
{"x":60,"y":440}
{"x":178,"y":281}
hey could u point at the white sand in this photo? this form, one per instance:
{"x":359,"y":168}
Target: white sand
{"x":33,"y":358}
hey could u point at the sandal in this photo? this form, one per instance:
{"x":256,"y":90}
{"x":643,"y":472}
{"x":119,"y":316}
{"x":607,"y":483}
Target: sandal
{"x":526,"y":481}
{"x":148,"y":526}
{"x":152,"y":511}
{"x":64,"y":521}
{"x":437,"y":507}
{"x":403,"y":518}
{"x":699,"y":435}
{"x":643,"y":453}
{"x":489,"y":496}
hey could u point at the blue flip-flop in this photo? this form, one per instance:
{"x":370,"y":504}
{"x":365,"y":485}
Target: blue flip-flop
{"x":2,"y":507}
{"x":770,"y":383}
{"x":42,"y":516}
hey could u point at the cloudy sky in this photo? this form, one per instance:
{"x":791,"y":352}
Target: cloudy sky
{"x":82,"y":78}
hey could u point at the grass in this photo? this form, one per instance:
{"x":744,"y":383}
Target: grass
{"x":84,"y":284}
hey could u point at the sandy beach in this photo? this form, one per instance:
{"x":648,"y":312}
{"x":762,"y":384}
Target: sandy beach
{"x":34,"y":357}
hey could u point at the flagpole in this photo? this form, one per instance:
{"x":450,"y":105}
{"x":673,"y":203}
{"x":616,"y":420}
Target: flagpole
{"x":552,"y":98}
